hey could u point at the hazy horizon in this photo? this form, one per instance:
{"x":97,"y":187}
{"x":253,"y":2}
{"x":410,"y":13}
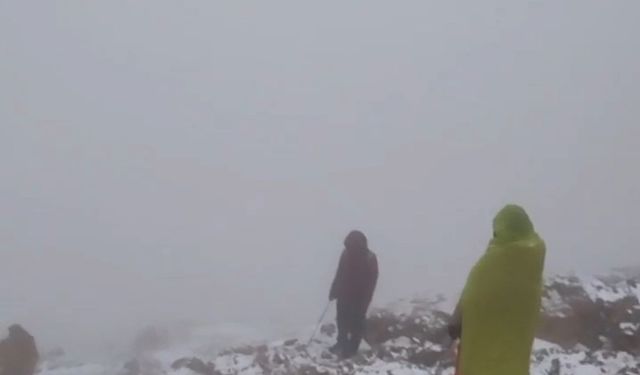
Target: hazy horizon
{"x":167,"y":161}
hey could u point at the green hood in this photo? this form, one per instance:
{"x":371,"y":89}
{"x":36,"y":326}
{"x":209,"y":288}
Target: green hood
{"x":511,"y":224}
{"x":501,"y":299}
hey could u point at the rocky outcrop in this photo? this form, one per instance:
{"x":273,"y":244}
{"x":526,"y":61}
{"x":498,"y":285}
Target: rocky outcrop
{"x":196,"y":365}
{"x":597,"y":313}
{"x":587,"y":324}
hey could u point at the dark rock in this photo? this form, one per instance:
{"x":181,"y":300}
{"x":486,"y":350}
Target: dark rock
{"x":428,"y":357}
{"x":194,"y":364}
{"x":555,"y":367}
{"x":142,"y":366}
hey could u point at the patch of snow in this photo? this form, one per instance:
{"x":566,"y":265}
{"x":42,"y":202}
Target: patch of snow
{"x":433,"y":347}
{"x":579,"y":363}
{"x":554,"y":304}
{"x":596,"y":289}
{"x":539,"y":344}
{"x":229,"y":363}
{"x":580,"y":348}
{"x":384,"y":368}
{"x":399,"y":342}
{"x":629,"y":328}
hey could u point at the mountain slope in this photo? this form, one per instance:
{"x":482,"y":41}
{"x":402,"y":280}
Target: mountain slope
{"x":589,"y":325}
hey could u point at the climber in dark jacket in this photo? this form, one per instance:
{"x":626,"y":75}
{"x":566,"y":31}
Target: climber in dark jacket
{"x":353,"y":288}
{"x":18,"y":353}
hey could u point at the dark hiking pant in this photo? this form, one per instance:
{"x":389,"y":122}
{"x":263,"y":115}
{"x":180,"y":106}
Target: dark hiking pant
{"x":351,"y":321}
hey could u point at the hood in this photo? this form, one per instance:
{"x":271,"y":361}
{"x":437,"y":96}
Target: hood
{"x":512,"y":224}
{"x":356,"y":240}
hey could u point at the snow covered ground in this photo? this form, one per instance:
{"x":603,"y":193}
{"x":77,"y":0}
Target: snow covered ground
{"x":547,"y":359}
{"x":589,"y":326}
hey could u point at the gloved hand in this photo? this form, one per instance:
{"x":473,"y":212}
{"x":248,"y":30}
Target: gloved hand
{"x":455,"y":323}
{"x":455,"y":331}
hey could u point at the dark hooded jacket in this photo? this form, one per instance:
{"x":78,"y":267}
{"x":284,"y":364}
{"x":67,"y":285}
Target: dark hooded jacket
{"x":18,"y":353}
{"x":357,"y":273}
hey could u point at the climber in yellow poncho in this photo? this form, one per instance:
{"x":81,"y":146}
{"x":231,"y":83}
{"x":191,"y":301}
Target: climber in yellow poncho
{"x":497,"y":315}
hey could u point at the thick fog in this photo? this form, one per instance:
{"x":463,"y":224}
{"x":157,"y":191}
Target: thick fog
{"x":202,"y":161}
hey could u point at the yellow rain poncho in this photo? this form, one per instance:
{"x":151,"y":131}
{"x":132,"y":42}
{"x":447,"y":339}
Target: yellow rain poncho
{"x":500,"y":303}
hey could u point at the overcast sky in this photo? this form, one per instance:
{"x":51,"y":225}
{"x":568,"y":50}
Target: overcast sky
{"x":203,"y":160}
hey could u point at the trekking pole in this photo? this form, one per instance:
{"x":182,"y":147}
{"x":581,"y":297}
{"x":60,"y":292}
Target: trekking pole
{"x":324,"y":312}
